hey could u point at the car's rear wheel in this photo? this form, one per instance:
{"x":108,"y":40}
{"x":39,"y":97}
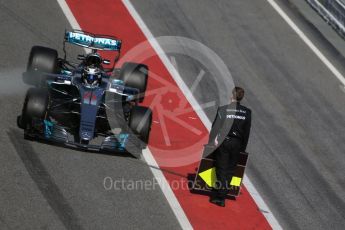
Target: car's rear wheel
{"x":140,"y":122}
{"x":41,"y":60}
{"x":135,"y":75}
{"x":35,"y":106}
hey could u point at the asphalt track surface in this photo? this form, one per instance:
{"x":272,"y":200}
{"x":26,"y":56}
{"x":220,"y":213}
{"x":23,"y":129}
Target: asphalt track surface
{"x":297,"y":142}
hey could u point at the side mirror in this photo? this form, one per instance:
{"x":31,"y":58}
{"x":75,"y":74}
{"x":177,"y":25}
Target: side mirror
{"x":81,"y":57}
{"x":106,"y":62}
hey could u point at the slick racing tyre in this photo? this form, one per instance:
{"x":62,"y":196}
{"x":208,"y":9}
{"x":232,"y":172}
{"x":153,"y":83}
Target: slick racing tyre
{"x":140,"y":122}
{"x":41,"y":60}
{"x":35,"y":106}
{"x":135,"y":75}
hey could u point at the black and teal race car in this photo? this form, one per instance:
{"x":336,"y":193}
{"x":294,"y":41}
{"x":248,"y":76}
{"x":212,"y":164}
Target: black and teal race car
{"x":86,"y":105}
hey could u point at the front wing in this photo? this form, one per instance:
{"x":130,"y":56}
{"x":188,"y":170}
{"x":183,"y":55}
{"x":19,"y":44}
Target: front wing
{"x":47,"y":131}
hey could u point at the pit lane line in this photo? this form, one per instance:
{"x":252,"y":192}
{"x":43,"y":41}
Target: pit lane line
{"x":195,"y":104}
{"x":166,"y":189}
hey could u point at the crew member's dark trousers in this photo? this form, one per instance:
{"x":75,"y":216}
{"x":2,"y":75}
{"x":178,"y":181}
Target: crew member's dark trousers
{"x":226,"y":157}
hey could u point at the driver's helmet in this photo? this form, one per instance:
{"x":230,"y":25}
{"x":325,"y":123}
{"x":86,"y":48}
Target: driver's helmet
{"x":93,"y":59}
{"x":91,"y":76}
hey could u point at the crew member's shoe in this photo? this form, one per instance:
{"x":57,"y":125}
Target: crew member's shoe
{"x":218,"y":201}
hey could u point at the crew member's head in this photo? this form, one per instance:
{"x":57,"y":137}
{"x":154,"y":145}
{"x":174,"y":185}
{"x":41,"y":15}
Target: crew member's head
{"x":237,"y":94}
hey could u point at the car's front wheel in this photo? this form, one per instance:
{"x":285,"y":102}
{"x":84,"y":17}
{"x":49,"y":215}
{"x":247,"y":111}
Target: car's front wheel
{"x":41,"y":60}
{"x":140,"y":122}
{"x":135,"y":75}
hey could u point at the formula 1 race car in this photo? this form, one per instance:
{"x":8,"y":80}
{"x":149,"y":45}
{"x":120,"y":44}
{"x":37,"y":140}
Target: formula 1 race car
{"x":86,"y":105}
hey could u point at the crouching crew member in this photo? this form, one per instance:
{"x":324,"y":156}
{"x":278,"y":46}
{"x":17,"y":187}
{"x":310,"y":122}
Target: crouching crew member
{"x":230,"y":134}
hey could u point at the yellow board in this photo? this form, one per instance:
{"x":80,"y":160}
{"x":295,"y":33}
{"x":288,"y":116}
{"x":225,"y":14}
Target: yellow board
{"x":210,"y":178}
{"x":235,"y":181}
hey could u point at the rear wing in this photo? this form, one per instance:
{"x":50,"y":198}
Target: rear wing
{"x":93,"y":41}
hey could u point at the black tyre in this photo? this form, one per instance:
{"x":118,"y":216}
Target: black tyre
{"x":41,"y":60}
{"x":140,"y":122}
{"x":135,"y":75}
{"x":35,"y":106}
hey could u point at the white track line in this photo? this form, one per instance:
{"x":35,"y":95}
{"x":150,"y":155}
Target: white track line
{"x":69,"y":15}
{"x":196,"y":106}
{"x":167,"y":191}
{"x":148,"y":157}
{"x":308,"y":42}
